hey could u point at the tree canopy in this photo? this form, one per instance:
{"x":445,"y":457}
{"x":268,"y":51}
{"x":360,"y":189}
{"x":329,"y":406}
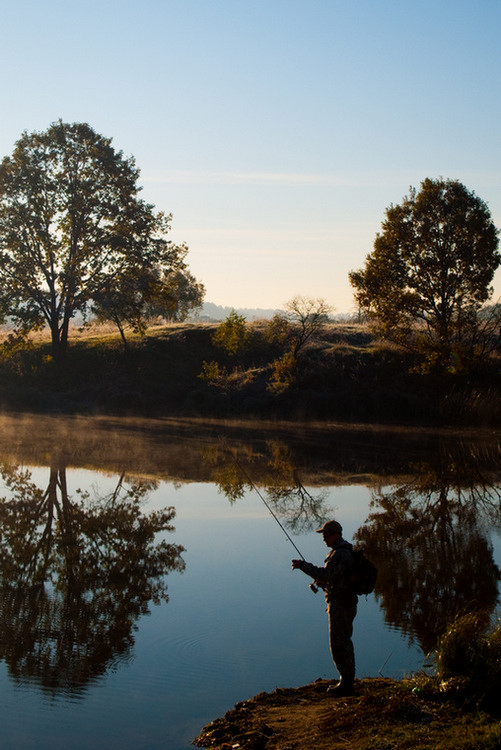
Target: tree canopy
{"x":431,"y":269}
{"x":73,"y":231}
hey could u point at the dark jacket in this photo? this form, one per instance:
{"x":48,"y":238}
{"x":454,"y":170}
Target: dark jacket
{"x":334,"y":576}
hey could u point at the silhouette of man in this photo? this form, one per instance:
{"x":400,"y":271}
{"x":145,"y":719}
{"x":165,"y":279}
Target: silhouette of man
{"x":341,"y":600}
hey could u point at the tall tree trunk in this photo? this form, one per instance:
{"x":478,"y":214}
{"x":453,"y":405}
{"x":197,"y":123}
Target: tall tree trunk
{"x":60,"y":338}
{"x":56,"y":341}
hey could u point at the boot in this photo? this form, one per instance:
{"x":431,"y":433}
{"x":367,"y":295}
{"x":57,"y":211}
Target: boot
{"x":345,"y":687}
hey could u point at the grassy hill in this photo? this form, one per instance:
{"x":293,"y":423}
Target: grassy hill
{"x":343,"y":375}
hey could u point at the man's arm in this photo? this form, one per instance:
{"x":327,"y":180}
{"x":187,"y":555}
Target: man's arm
{"x":318,"y":574}
{"x":334,"y":570}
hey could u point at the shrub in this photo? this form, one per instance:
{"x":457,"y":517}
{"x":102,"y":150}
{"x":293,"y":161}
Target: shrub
{"x":211,"y":371}
{"x":284,"y":372}
{"x":232,"y":334}
{"x":468,"y":660}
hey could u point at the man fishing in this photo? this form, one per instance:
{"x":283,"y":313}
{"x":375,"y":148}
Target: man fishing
{"x":333,"y":578}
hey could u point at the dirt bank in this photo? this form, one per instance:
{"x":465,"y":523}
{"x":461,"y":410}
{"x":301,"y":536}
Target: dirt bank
{"x":382,"y":714}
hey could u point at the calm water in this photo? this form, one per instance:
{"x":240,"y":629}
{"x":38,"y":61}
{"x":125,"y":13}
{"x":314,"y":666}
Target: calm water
{"x":126,"y":626}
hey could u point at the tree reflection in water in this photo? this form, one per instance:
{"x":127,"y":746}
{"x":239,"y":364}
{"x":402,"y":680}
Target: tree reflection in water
{"x":429,"y":539}
{"x":299,"y":509}
{"x":76,"y":574}
{"x":428,"y":535}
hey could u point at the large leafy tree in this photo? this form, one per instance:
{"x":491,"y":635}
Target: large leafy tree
{"x":179,"y":294}
{"x":139,"y":294}
{"x":125,"y":298}
{"x":72,"y":222}
{"x":431,"y":271}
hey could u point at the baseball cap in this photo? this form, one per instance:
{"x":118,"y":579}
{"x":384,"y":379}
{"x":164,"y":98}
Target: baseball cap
{"x":331,"y":527}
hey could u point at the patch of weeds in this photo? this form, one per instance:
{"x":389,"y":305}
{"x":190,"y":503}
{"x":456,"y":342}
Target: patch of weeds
{"x":468,"y":663}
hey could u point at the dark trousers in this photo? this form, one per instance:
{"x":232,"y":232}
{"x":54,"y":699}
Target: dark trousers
{"x":340,"y":632}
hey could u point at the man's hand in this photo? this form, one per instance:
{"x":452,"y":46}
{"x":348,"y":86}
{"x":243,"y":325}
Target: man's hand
{"x":297,"y":564}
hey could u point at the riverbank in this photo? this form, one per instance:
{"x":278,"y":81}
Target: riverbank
{"x":343,"y":375}
{"x":383,"y":714}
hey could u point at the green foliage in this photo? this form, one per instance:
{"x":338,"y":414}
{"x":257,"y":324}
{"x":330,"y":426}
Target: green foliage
{"x":278,"y":329}
{"x":301,"y":322}
{"x":471,"y":648}
{"x":211,"y":371}
{"x":468,"y":661}
{"x":121,"y":299}
{"x":73,"y":230}
{"x":178,"y":295}
{"x":283,"y":372}
{"x":430,"y":273}
{"x":232,"y":334}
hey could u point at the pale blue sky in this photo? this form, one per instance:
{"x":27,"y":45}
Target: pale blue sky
{"x":276,"y":133}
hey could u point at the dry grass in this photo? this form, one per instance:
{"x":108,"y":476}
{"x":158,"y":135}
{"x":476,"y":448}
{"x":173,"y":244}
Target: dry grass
{"x":383,"y":715}
{"x":92,"y":331}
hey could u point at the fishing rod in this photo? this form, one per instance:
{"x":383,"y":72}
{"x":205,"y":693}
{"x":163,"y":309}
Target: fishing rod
{"x":267,"y":505}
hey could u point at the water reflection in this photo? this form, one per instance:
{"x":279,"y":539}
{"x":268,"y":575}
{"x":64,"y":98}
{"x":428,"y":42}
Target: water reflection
{"x":429,"y":535}
{"x":77,"y":569}
{"x":76,"y":574}
{"x":300,"y":510}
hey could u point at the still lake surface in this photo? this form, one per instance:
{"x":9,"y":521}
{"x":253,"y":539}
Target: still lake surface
{"x":146,"y":587}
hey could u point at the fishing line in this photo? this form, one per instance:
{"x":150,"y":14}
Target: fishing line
{"x":251,"y":483}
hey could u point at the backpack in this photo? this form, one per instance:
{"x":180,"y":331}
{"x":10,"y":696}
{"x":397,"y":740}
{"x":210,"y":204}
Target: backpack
{"x":363,"y":573}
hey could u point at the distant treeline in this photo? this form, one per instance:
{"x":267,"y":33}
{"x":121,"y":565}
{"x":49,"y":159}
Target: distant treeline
{"x":210,"y":311}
